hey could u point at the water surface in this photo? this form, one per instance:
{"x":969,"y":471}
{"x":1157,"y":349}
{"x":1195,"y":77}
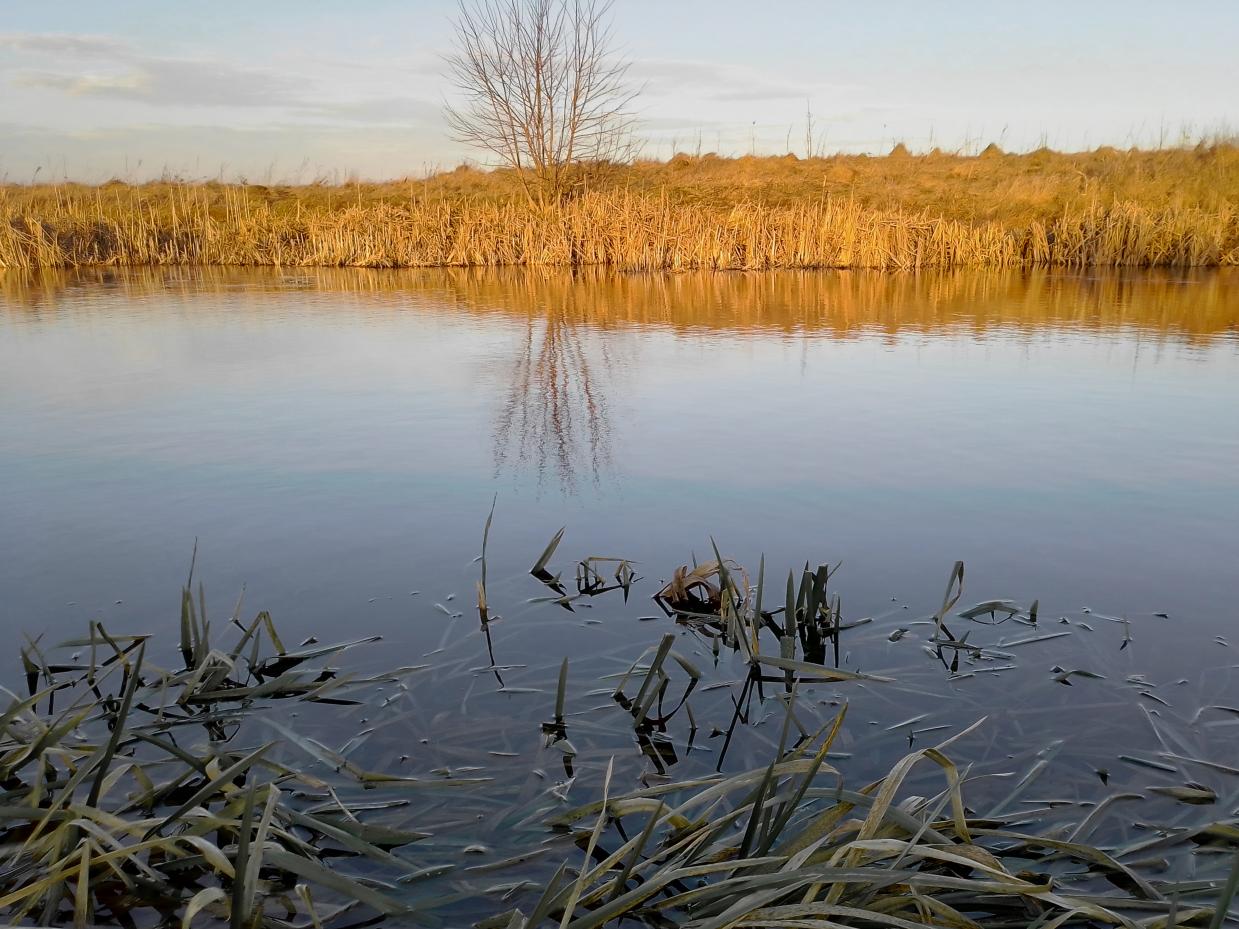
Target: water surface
{"x":333,"y":440}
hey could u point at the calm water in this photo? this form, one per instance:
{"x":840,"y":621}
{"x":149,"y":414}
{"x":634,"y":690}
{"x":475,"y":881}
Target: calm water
{"x":334,"y":439}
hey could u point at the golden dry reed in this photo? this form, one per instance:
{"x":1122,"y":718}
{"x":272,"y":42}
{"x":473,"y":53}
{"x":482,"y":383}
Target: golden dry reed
{"x":696,"y":225}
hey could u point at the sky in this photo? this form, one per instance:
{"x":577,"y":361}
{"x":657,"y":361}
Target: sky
{"x":276,"y":90}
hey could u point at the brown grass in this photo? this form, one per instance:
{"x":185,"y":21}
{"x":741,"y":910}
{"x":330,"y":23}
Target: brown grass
{"x":1175,"y":207}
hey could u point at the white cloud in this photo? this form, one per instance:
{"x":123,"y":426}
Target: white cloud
{"x":76,"y":46}
{"x":84,"y":85}
{"x":94,"y":107}
{"x":121,"y":72}
{"x":118,"y":71}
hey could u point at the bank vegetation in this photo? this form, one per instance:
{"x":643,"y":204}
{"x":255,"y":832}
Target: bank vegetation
{"x":1106,"y":208}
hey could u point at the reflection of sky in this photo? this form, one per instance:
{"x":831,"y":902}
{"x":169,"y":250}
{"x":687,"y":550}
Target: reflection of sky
{"x":282,"y":90}
{"x":333,"y":448}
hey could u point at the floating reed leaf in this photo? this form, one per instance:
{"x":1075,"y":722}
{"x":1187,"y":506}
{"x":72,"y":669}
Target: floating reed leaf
{"x":539,"y":567}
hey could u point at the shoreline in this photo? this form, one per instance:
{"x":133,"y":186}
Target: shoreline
{"x":625,"y":234}
{"x":1175,"y":208}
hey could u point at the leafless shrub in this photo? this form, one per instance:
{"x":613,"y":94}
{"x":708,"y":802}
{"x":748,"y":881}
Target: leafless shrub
{"x":542,"y":89}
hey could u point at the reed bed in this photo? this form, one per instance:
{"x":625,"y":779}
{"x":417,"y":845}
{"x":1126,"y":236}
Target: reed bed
{"x":620,"y":229}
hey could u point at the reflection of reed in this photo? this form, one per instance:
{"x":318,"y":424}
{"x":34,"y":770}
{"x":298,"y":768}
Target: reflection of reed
{"x":555,"y":417}
{"x":1194,"y":306}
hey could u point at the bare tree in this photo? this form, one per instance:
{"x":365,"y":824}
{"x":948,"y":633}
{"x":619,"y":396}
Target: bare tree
{"x":542,"y":88}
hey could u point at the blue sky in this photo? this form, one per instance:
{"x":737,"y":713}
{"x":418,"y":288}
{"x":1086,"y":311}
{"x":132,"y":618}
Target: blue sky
{"x":273,"y":89}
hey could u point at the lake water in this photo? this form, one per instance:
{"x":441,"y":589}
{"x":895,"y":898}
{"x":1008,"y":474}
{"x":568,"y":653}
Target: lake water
{"x":333,"y":440}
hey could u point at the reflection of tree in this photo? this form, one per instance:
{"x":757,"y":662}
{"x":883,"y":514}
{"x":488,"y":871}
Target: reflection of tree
{"x":556,"y":415}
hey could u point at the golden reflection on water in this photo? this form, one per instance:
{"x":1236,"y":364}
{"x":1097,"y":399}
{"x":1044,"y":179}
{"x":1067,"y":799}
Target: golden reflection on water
{"x":1195,"y":306}
{"x":553,"y":416}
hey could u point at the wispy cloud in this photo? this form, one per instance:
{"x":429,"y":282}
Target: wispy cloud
{"x":276,"y":152}
{"x":122,"y":72}
{"x":103,"y":68}
{"x":725,"y":83}
{"x":93,"y":106}
{"x":69,"y":45}
{"x":103,"y":85}
{"x":378,"y":111}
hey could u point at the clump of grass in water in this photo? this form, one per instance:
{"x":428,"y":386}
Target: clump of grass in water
{"x":216,"y":830}
{"x":112,"y":804}
{"x":777,"y":847}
